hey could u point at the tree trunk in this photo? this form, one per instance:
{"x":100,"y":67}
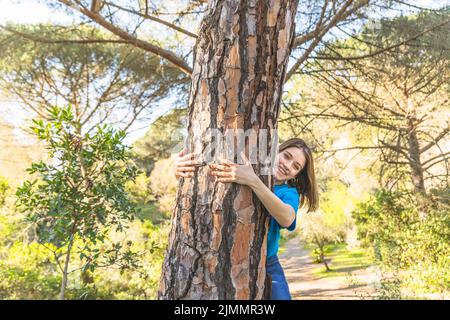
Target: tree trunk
{"x":217,"y":244}
{"x":66,"y":269}
{"x":416,"y":168}
{"x":414,"y":162}
{"x":322,"y":257}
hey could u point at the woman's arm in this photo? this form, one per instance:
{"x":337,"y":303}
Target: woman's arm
{"x":282,"y":212}
{"x":228,"y":171}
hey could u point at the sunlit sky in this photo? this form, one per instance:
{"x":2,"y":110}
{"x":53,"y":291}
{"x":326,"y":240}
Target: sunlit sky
{"x":33,"y":11}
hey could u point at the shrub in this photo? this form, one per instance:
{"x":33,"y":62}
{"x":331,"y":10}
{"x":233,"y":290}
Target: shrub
{"x":417,"y":248}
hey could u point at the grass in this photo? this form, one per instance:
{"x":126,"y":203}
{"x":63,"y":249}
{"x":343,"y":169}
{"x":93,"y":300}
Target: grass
{"x":342,"y":261}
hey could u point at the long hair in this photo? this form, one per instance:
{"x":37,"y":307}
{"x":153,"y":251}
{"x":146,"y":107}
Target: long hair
{"x":305,"y":181}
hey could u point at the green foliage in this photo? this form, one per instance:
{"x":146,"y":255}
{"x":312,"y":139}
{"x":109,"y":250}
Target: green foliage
{"x":138,"y":189}
{"x":344,"y":260}
{"x":4,"y":187}
{"x":329,"y":225}
{"x":161,"y":140}
{"x":416,"y":248}
{"x":163,"y":185}
{"x":316,"y":230}
{"x":149,"y":241}
{"x":84,"y":187}
{"x":155,"y":195}
{"x":81,"y":194}
{"x":335,"y":202}
{"x":26,"y":272}
{"x":100,"y":80}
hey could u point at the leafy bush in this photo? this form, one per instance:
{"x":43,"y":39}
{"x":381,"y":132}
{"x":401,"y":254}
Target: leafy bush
{"x":138,"y":189}
{"x":4,"y":187}
{"x":80,"y":195}
{"x":26,"y":272}
{"x":416,"y":248}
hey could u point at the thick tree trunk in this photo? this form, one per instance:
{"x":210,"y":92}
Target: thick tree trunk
{"x":217,"y":244}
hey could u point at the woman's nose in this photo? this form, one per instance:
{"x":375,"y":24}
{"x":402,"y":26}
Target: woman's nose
{"x":287,"y":167}
{"x":290,"y":165}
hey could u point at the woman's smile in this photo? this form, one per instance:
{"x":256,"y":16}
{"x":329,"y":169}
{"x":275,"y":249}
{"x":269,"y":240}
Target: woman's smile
{"x":281,"y":170}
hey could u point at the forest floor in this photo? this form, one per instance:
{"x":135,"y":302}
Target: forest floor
{"x":308,"y":280}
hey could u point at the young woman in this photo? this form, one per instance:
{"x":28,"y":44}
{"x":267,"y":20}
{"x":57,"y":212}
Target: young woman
{"x":295,"y":187}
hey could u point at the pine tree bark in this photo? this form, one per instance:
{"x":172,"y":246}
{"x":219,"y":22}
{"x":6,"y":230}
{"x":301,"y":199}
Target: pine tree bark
{"x":217,"y":243}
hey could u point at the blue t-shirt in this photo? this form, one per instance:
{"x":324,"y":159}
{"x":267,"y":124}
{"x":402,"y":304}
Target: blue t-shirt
{"x":290,"y":196}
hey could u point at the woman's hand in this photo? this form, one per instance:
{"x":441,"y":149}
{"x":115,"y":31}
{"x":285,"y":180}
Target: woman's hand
{"x":227,"y":171}
{"x":184,"y":164}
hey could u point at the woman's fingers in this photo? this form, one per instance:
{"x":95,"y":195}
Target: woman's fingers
{"x":222,"y":174}
{"x":184,"y":169}
{"x":228,"y":162}
{"x":188,"y":163}
{"x":226,"y":180}
{"x":185,"y":174}
{"x":221,"y":167}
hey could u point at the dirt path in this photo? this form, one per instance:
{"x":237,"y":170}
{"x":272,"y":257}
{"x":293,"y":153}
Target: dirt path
{"x":305,"y":285}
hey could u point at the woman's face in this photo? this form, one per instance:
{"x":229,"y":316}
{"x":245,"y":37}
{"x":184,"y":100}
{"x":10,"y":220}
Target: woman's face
{"x":288,"y":163}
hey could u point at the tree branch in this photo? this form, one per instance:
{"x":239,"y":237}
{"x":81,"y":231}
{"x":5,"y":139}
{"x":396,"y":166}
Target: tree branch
{"x":166,"y":54}
{"x":149,"y":17}
{"x":375,"y":53}
{"x":43,"y":40}
{"x":320,"y":31}
{"x":435,"y":140}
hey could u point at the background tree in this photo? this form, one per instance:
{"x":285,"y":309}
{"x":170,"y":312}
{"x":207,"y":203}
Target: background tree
{"x":81,"y":195}
{"x":102,"y":82}
{"x":25,"y":151}
{"x":318,"y":232}
{"x":163,"y":138}
{"x":400,"y":95}
{"x":181,"y":20}
{"x":330,"y":224}
{"x":4,"y":187}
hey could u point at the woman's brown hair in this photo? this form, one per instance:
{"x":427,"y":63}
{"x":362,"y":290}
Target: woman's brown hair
{"x":305,"y":181}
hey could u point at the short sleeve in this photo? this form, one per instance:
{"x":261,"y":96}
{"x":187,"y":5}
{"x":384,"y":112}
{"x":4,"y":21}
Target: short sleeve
{"x":291,"y":198}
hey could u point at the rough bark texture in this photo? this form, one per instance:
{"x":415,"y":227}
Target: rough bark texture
{"x":217,"y":244}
